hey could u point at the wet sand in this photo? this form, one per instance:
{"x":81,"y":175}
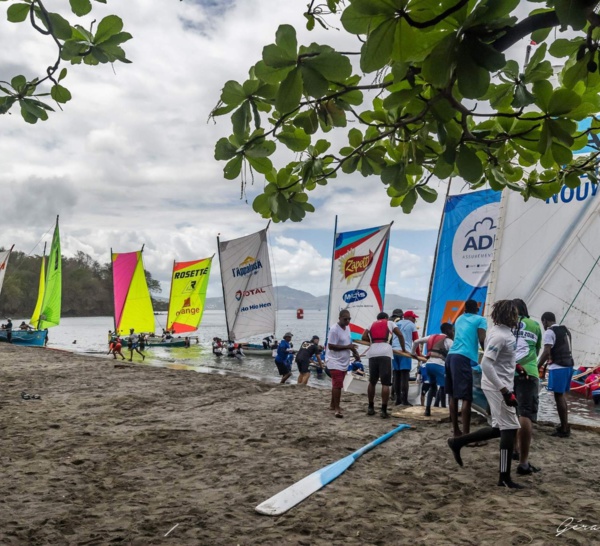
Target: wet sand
{"x":121,"y":455}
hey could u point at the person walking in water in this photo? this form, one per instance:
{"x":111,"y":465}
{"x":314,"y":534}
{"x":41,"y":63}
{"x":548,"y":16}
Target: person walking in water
{"x":498,"y":376}
{"x":557,"y":353}
{"x":380,"y":356}
{"x":337,"y":357}
{"x":469,"y":334}
{"x":308,"y":350}
{"x":133,"y":345}
{"x":284,"y":350}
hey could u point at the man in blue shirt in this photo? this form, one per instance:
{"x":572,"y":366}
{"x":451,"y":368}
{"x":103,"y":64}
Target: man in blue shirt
{"x":284,"y":349}
{"x":403,"y":364}
{"x":468,"y":337}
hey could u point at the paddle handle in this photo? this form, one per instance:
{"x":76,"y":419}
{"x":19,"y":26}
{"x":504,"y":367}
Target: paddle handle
{"x":378,"y":441}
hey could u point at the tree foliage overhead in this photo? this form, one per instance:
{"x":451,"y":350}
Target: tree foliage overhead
{"x":436,"y":97}
{"x":74,"y":43}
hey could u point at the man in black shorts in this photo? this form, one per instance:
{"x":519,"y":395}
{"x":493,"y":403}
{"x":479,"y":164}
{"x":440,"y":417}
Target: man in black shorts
{"x":307,"y":350}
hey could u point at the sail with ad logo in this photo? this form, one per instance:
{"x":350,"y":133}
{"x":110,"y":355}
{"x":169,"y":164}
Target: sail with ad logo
{"x":133,"y":306}
{"x":464,"y":253}
{"x":358,"y":275}
{"x":247,"y":286}
{"x":189,"y":283}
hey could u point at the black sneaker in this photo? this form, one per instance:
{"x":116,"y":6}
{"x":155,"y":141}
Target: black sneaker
{"x":561,"y":434}
{"x":371,"y":411}
{"x":510,"y":484}
{"x":516,"y":456}
{"x":526,"y":470}
{"x":427,"y":412}
{"x":385,"y":415}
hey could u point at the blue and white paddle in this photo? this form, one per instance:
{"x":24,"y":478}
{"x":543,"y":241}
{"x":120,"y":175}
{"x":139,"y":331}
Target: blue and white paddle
{"x":288,"y":498}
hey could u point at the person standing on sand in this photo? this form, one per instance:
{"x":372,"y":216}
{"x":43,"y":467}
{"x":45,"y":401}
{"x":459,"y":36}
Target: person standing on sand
{"x":397,"y":316}
{"x":498,"y":376}
{"x":558,"y":353}
{"x":132,"y":345}
{"x":403,"y":364}
{"x":8,"y":328}
{"x":307,"y":350}
{"x":380,"y":356}
{"x":527,"y":384}
{"x":469,"y":334}
{"x":337,"y":357}
{"x":284,"y":349}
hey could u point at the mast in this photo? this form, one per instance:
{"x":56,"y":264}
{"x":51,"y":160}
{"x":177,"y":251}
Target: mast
{"x":222,"y":285}
{"x":331,"y":278}
{"x":435,"y":257}
{"x":112,"y":274}
{"x":170,"y":295}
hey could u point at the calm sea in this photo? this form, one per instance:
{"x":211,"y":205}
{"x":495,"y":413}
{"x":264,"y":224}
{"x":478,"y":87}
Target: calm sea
{"x":89,"y":335}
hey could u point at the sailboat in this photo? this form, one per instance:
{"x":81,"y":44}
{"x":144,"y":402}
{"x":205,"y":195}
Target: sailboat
{"x":248,"y":294}
{"x":48,"y":306}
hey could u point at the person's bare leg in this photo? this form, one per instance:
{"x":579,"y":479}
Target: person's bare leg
{"x":466,"y":416}
{"x":453,"y":406}
{"x":332,"y":403}
{"x":524,"y":439}
{"x":336,"y":395}
{"x":371,"y":394}
{"x":285,"y":377}
{"x":303,"y":378}
{"x":563,"y":411}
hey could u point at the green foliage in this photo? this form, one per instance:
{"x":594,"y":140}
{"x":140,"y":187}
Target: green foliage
{"x":436,"y":98}
{"x":75,"y":44}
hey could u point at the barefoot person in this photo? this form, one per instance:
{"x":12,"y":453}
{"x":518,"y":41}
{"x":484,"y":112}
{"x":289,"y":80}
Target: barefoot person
{"x":527,"y":384}
{"x":337,"y":357}
{"x":133,"y":344}
{"x":498,"y":375}
{"x":116,"y":350}
{"x":307,"y":351}
{"x":469,"y":334}
{"x":380,"y":356}
{"x":284,"y":350}
{"x":558,"y":354}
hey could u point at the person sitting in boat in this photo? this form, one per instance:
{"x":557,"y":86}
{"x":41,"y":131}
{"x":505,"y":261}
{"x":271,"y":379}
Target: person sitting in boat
{"x":356,"y":366}
{"x":23,"y":326}
{"x":267,"y":342}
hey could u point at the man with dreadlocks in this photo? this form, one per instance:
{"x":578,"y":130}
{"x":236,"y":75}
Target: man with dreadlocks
{"x":498,"y":367}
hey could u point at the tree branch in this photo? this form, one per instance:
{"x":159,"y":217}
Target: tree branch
{"x":528,"y":25}
{"x":432,"y":22}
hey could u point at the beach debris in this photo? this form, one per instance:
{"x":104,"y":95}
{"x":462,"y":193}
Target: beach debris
{"x":171,"y":529}
{"x":26,"y":396}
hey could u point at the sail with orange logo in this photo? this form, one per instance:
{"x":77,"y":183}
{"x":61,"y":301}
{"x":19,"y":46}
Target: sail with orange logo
{"x":189,"y":283}
{"x":358,"y":276}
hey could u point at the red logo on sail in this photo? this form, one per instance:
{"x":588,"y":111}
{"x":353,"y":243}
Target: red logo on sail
{"x":187,"y":302}
{"x":353,"y":265}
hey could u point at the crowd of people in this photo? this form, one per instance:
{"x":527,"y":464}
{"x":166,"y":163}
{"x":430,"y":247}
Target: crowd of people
{"x":513,"y":354}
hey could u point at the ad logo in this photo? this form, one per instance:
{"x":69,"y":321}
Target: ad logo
{"x":249,"y":266}
{"x":473,"y":245}
{"x":351,"y":265}
{"x":246,"y":293}
{"x":187,"y":309}
{"x":354,"y":295}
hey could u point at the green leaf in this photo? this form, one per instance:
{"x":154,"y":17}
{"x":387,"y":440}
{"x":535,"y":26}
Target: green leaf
{"x":80,"y":7}
{"x":308,"y":121}
{"x":234,"y":167}
{"x":61,"y":28}
{"x":18,"y":82}
{"x":108,"y":27}
{"x":240,"y":120}
{"x":33,"y":107}
{"x":438,"y":66}
{"x":473,"y":81}
{"x":290,"y":92}
{"x":409,"y":201}
{"x":17,"y":13}
{"x":355,"y":137}
{"x":395,"y":177}
{"x":261,"y":205}
{"x":356,"y":22}
{"x":233,"y":93}
{"x":468,"y":163}
{"x":377,"y":50}
{"x":260,"y":148}
{"x":60,"y":94}
{"x":522,"y":97}
{"x":572,"y":13}
{"x":426,"y":193}
{"x":563,"y":101}
{"x":561,"y":154}
{"x":260,"y":164}
{"x":543,"y":93}
{"x":285,"y":38}
{"x":296,"y":140}
{"x":224,"y":149}
{"x":565,"y":48}
{"x":315,"y":84}
{"x":329,"y":63}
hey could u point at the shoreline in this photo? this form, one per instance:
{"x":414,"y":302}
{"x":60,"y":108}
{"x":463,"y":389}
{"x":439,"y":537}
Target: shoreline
{"x":125,"y":454}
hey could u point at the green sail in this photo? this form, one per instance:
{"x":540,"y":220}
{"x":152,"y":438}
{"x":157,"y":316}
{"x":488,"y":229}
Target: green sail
{"x":50,"y":311}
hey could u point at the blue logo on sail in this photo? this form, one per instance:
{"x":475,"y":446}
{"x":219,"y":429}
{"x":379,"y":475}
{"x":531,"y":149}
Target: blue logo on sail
{"x":354,"y":295}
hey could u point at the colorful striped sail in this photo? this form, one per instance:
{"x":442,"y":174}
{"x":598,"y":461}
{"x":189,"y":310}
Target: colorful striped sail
{"x":358,"y":276}
{"x":189,"y":283}
{"x":51,"y":304}
{"x":133,"y":306}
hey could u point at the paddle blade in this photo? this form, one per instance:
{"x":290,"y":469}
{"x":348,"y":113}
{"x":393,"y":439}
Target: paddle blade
{"x":293,"y":495}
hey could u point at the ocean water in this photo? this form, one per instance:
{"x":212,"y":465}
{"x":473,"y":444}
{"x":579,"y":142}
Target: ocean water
{"x":89,"y":335}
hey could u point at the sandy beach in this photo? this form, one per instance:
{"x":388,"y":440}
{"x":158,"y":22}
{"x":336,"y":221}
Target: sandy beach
{"x":121,"y":455}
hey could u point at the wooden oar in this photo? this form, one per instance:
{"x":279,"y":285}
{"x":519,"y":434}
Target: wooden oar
{"x":293,"y":495}
{"x":396,"y":351}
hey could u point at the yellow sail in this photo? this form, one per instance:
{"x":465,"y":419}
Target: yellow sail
{"x":188,"y":294}
{"x":35,"y":318}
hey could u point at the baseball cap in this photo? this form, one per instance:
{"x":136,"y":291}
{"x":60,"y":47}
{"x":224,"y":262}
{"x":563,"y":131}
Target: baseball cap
{"x":397,"y":313}
{"x":288,"y":334}
{"x":410,"y":314}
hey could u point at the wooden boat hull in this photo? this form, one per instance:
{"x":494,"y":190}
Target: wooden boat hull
{"x":28,"y":338}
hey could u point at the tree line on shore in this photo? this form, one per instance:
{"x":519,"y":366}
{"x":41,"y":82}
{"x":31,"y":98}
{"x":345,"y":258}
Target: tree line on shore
{"x":86,"y":286}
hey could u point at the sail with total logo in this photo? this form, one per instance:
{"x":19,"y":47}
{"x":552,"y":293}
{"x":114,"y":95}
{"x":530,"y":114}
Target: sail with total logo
{"x":132,"y":303}
{"x":247,"y":286}
{"x":189,"y":283}
{"x":358,"y":276}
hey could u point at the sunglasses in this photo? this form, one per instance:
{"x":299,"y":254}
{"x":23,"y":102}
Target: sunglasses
{"x":346,"y":318}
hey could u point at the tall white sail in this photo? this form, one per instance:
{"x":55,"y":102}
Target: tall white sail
{"x":358,"y":276}
{"x":4,"y":255}
{"x":547,"y":253}
{"x":247,"y":286}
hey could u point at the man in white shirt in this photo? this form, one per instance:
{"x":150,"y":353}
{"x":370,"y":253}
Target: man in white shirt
{"x":337,"y":356}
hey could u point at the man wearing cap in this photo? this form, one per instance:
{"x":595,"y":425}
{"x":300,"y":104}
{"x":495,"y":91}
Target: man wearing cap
{"x":283,"y":351}
{"x":403,"y":364}
{"x":307,"y":350}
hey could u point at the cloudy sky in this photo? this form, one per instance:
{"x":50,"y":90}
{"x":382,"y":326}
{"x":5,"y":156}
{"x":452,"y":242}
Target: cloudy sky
{"x":130,"y":159}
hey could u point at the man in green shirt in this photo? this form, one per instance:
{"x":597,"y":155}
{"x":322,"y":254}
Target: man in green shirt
{"x":529,"y":343}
